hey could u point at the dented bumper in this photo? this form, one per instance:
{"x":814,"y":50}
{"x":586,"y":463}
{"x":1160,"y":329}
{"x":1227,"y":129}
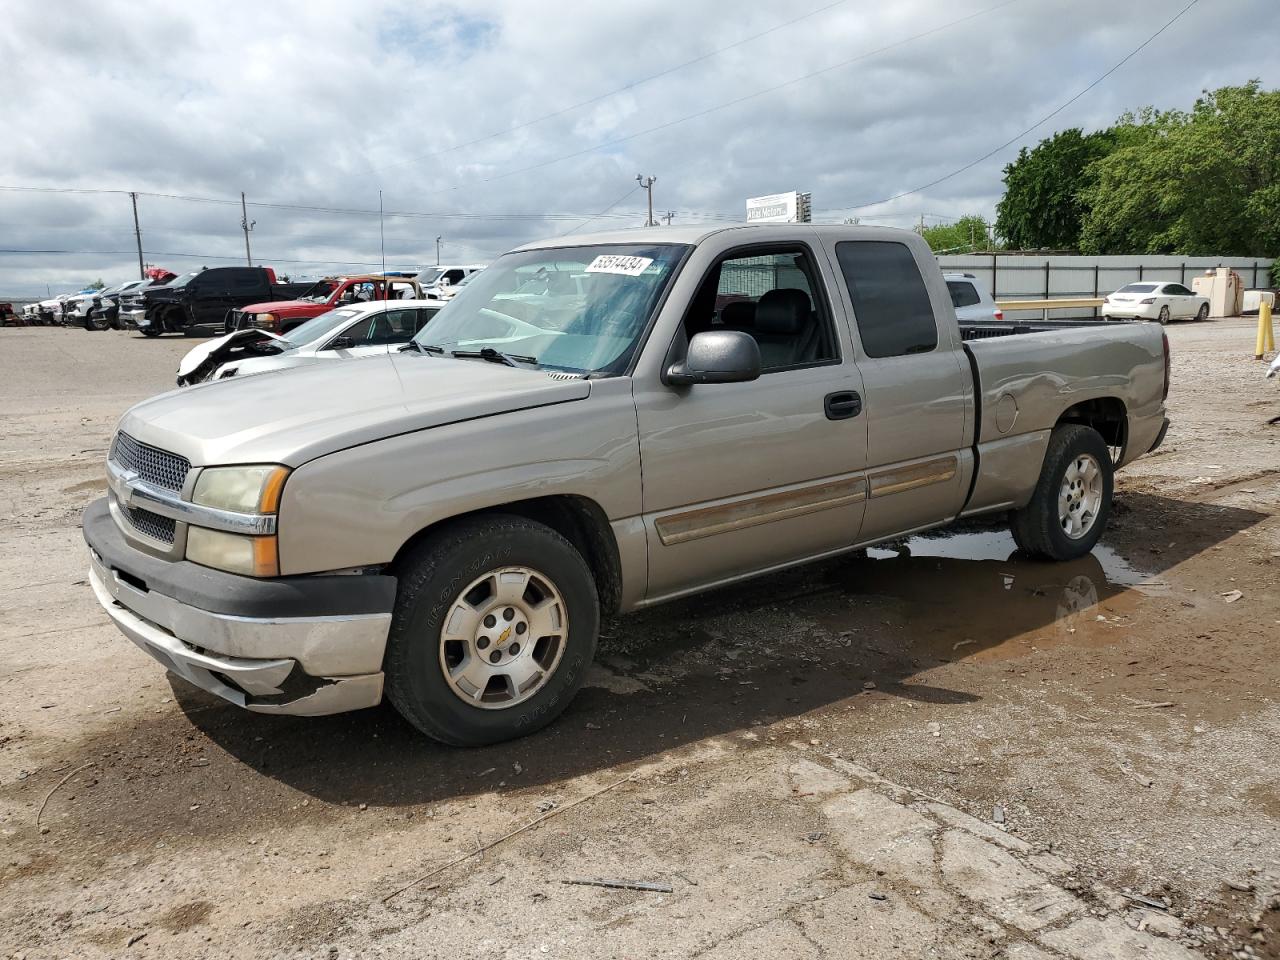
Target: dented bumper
{"x":251,"y":642}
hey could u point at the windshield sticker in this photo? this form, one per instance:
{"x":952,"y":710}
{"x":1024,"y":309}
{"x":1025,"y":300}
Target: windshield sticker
{"x":623,"y":266}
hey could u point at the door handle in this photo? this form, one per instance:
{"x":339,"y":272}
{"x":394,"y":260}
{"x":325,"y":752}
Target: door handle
{"x":842,"y":405}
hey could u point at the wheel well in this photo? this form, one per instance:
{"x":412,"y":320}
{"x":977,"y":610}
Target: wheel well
{"x":579,"y":520}
{"x":1107,"y":415}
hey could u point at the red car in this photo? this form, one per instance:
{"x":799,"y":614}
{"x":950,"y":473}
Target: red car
{"x":281,"y":316}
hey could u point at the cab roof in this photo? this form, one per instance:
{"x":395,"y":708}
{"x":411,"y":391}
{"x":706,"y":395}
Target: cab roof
{"x":699,"y":233}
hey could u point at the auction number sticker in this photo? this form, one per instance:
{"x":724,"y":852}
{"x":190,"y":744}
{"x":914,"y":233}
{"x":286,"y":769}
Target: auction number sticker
{"x":623,"y":266}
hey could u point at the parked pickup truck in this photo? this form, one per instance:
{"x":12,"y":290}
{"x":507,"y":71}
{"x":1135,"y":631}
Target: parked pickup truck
{"x":663,"y":412}
{"x":204,"y":297}
{"x":323,"y":296}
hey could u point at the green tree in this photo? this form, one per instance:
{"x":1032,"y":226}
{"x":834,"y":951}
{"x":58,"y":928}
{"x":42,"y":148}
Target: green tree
{"x":1041,"y":207}
{"x":1199,"y":183}
{"x":98,"y":284}
{"x":964,"y":236}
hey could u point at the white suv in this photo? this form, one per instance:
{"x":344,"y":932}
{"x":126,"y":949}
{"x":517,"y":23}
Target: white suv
{"x":972,"y":302}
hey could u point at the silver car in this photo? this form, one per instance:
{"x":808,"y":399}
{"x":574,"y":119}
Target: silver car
{"x":359,"y":330}
{"x":972,"y":302}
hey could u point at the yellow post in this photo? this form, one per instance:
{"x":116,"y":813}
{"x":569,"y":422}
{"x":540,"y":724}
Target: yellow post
{"x":1271,"y":335}
{"x":1266,"y":336}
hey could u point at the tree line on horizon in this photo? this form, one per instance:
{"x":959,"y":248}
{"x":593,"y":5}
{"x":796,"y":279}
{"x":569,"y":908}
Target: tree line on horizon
{"x":1199,"y":182}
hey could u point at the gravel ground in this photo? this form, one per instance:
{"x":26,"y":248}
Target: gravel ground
{"x":934,"y":750}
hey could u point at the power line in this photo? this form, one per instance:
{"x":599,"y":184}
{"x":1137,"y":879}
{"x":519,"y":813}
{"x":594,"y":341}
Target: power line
{"x":190,"y":256}
{"x":728,"y":103}
{"x":604,"y":96}
{"x":309,"y":208}
{"x":602,"y":212}
{"x":1046,"y":118}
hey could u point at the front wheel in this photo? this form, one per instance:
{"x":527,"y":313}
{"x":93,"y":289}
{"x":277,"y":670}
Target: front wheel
{"x":1068,"y":510}
{"x":495,"y":624}
{"x":151,"y":330}
{"x":1203,"y":313}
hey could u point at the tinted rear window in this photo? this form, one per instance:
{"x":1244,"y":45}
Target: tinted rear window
{"x":890,"y":302}
{"x":963,"y":294}
{"x":1137,"y":288}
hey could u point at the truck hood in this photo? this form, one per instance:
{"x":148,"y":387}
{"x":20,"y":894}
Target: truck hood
{"x":285,"y":306}
{"x":296,"y":415}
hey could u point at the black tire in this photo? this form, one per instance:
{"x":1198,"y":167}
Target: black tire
{"x":1163,"y":316}
{"x":1037,"y":528}
{"x":150,"y":330}
{"x":1203,"y":313}
{"x":430,"y":582}
{"x":91,"y":324}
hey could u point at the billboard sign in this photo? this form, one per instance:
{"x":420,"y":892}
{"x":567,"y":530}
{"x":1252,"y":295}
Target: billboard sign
{"x":792,"y":207}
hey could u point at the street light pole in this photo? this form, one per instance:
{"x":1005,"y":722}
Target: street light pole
{"x":647,"y":183}
{"x":137,"y":232}
{"x":438,"y":239}
{"x":246,"y":226}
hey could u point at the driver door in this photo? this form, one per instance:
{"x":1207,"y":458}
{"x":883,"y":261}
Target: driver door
{"x":739,"y":477}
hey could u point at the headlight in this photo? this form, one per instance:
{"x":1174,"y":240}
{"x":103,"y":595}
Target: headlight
{"x":263,"y":321}
{"x":247,"y":490}
{"x":233,"y":552}
{"x":253,"y":489}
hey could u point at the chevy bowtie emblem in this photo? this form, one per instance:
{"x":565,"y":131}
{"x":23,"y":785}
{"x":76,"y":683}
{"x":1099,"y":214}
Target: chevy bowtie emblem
{"x":503,"y":638}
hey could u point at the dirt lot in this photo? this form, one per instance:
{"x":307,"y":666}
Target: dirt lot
{"x":935,"y":750}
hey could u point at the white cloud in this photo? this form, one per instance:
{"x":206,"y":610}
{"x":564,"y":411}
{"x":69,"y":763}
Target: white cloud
{"x":321,"y":103}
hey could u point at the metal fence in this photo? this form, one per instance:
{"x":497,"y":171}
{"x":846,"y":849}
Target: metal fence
{"x":1024,"y":277}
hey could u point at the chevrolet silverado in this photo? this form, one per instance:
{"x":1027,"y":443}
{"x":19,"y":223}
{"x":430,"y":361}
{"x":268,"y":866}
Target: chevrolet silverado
{"x":594,"y":425}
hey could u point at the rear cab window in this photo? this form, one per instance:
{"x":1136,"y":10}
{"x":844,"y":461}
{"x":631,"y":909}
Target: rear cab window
{"x":891,"y":305}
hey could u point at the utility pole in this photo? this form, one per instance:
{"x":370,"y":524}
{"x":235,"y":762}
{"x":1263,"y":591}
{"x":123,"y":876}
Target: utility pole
{"x":438,"y":239}
{"x":647,"y":183}
{"x":922,"y":224}
{"x":668,"y":216}
{"x":137,"y":232}
{"x":382,"y":236}
{"x":246,"y":226}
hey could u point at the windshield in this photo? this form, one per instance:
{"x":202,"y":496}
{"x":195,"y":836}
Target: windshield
{"x":183,"y":280}
{"x":428,"y":278}
{"x":1137,"y":288}
{"x":578,"y":309}
{"x":319,"y":292}
{"x":318,"y":327}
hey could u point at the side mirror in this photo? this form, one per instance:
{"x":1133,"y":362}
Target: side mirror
{"x":717,"y":356}
{"x":341,"y":343}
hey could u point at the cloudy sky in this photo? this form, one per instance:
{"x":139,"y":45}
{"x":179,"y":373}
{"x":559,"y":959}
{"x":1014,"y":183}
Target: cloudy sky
{"x":493,"y":122}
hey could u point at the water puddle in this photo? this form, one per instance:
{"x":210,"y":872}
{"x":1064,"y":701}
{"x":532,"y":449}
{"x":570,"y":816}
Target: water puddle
{"x":970,"y":594}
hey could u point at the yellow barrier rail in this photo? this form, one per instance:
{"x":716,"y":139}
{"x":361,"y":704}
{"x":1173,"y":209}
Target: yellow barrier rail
{"x":1073,"y":303}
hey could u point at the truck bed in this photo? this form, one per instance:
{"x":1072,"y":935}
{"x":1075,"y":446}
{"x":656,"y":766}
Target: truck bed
{"x":986,"y":329}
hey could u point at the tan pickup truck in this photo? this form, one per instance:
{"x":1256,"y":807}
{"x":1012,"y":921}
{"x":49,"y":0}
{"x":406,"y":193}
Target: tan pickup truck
{"x":595,"y":425}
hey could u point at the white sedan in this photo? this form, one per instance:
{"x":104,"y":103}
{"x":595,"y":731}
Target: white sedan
{"x":1155,"y":300}
{"x":348,"y":333}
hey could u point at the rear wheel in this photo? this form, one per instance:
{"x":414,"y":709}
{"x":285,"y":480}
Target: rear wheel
{"x":1163,"y":316}
{"x":1068,"y":510}
{"x":494,"y":627}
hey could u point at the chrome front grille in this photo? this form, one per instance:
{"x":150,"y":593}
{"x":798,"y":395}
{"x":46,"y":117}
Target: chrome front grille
{"x":156,"y":467}
{"x":151,"y":524}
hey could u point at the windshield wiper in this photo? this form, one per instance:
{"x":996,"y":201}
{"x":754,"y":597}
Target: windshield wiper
{"x":493,"y":356}
{"x":422,"y":347}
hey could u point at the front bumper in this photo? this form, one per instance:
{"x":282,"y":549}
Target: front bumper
{"x":304,"y":646}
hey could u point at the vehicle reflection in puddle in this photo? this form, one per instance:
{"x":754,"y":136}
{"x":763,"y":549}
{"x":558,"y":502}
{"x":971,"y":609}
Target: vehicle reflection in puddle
{"x":972,"y":595}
